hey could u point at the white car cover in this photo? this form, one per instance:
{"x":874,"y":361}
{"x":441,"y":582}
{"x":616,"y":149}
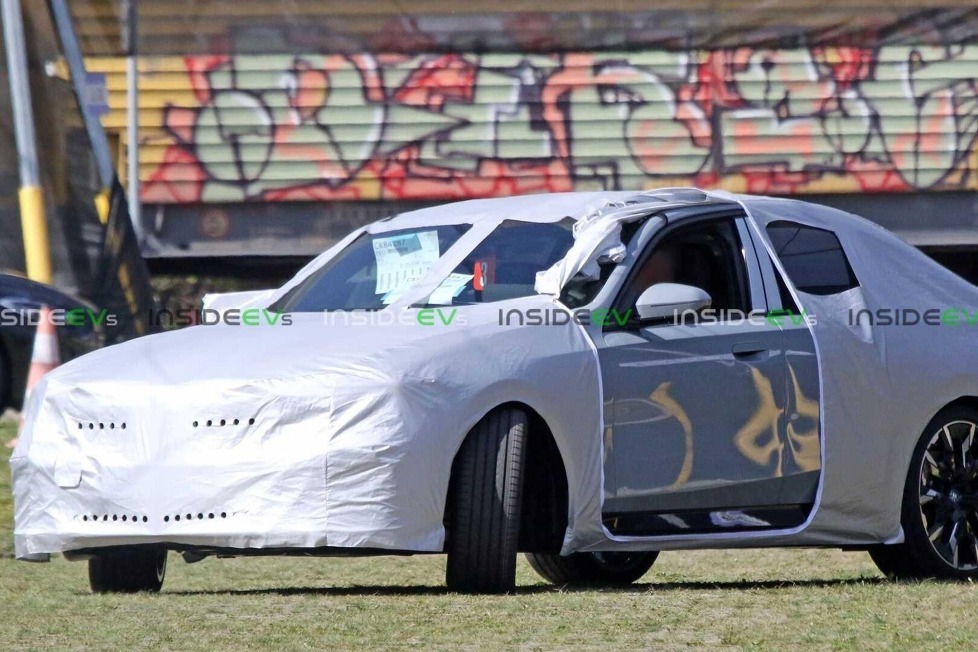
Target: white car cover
{"x":880,"y":385}
{"x":304,"y":435}
{"x":343,"y":435}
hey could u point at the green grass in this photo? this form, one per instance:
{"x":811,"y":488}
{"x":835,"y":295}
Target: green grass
{"x":775,"y":599}
{"x":8,"y":429}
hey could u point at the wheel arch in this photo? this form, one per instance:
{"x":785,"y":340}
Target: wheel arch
{"x":913,"y":437}
{"x":545,"y":496}
{"x":922,"y":421}
{"x":961,"y":401}
{"x":916,"y":557}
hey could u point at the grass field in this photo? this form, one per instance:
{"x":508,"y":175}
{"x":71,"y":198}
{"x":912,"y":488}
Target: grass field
{"x":731,"y":599}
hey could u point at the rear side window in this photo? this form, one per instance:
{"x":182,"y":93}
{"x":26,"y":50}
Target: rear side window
{"x":813,"y":258}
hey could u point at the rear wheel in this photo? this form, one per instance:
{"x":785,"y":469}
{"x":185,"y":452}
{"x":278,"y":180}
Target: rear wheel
{"x":129,"y":570}
{"x":592,"y":568}
{"x":486,"y":501}
{"x":940,"y":504}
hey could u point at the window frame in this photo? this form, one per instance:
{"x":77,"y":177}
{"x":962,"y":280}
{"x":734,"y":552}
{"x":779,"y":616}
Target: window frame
{"x":789,"y":277}
{"x":749,"y":267}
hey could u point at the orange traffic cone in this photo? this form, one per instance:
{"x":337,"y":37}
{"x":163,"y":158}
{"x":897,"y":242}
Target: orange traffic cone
{"x":44,"y":357}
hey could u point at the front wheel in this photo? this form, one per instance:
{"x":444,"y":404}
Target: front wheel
{"x":592,"y":568}
{"x":129,"y":570}
{"x":940,"y":504}
{"x":487,"y":493}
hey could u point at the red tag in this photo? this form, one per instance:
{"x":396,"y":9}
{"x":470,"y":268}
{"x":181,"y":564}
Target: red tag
{"x":479,"y":279}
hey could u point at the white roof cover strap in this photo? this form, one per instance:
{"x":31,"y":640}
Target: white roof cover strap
{"x":597,"y":240}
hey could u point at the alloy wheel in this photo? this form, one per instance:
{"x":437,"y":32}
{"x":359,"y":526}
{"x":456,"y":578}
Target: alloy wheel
{"x":949,"y":494}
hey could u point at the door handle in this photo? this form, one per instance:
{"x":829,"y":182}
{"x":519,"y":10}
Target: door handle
{"x":743,"y":349}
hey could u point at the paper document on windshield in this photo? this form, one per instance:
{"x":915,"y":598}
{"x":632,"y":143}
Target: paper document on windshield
{"x":403,"y":259}
{"x":450,"y":288}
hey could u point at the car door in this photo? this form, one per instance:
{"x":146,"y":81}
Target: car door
{"x":695,"y":407}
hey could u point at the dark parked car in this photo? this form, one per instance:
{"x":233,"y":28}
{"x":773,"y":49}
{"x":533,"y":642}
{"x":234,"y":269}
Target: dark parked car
{"x":20,"y":302}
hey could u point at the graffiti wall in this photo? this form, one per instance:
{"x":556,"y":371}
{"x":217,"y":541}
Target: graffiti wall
{"x":445,"y":126}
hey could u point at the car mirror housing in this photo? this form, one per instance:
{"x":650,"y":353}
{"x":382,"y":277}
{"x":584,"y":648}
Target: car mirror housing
{"x":666,"y":299}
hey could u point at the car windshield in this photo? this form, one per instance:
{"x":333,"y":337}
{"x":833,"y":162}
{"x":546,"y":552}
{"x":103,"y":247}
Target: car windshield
{"x":375,"y":269}
{"x":505,"y":264}
{"x":372,"y":271}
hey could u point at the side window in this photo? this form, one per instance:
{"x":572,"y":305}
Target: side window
{"x":813,"y":258}
{"x":707,"y":255}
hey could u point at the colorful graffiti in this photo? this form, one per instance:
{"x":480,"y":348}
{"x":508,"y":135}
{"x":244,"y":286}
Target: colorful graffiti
{"x":388,"y":126}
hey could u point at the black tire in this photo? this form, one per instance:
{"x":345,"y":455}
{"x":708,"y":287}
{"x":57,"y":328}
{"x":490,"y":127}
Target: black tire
{"x":487,"y":491}
{"x":895,"y":563}
{"x":592,"y":568}
{"x":127,"y":571}
{"x":940,"y":504}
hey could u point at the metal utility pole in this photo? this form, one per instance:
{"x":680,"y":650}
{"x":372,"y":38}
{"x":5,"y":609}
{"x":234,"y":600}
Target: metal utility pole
{"x":130,"y":38}
{"x":33,"y":219}
{"x":96,"y":135}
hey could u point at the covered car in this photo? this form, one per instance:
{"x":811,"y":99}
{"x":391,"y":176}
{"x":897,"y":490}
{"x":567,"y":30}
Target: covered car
{"x":586,"y":378}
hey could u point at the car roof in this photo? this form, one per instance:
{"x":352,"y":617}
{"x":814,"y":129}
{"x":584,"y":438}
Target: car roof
{"x":548,"y":207}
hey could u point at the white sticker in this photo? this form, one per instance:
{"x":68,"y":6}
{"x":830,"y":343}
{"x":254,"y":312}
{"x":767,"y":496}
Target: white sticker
{"x":403,"y":259}
{"x":394,"y":295}
{"x":450,"y":288}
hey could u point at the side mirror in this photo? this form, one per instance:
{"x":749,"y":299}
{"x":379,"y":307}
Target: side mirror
{"x":666,"y":299}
